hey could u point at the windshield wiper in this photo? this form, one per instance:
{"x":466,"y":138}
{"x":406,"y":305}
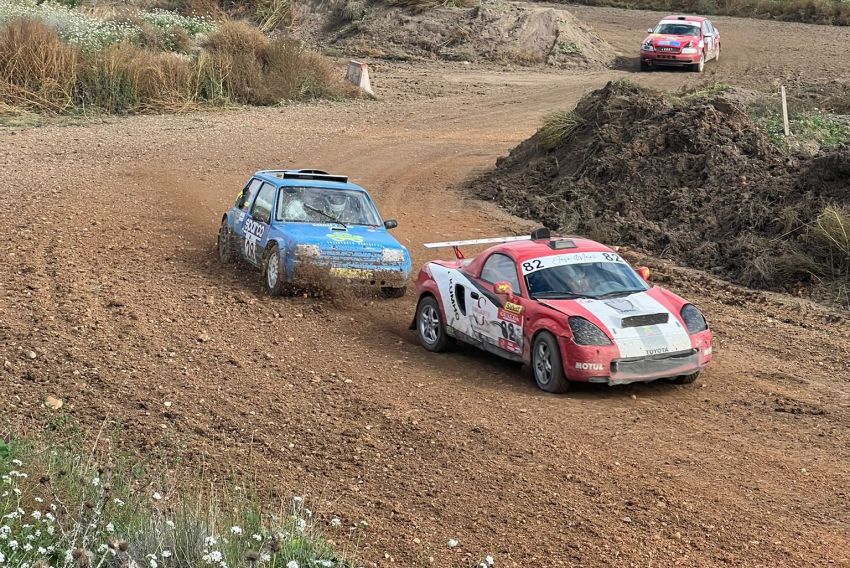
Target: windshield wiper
{"x":562,"y":295}
{"x":326,"y":215}
{"x":619,"y":294}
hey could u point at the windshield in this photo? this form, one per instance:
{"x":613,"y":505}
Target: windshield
{"x":584,"y":280}
{"x":323,"y":205}
{"x":677,"y":29}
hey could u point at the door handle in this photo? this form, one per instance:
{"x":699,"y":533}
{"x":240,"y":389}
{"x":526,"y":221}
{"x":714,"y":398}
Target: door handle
{"x":474,"y":295}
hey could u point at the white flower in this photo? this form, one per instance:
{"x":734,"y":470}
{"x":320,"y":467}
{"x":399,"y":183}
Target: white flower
{"x":210,"y":541}
{"x":16,"y":491}
{"x":28,"y":547}
{"x":452,"y":543}
{"x":50,"y":517}
{"x":53,"y":506}
{"x":335,"y":522}
{"x":13,"y":545}
{"x":110,"y":528}
{"x":170,"y":524}
{"x":102,"y":548}
{"x":152,"y":563}
{"x":292,"y":564}
{"x":42,"y":551}
{"x":38,"y":499}
{"x":36,"y":515}
{"x":215,"y":556}
{"x":118,"y":502}
{"x":300,"y":525}
{"x":17,"y":463}
{"x":157,"y":496}
{"x":489,"y":560}
{"x":2,"y":558}
{"x":236,"y":530}
{"x":166,"y":554}
{"x":95,"y":481}
{"x":265,"y":557}
{"x":297,"y":500}
{"x":50,"y":530}
{"x":257,"y":537}
{"x":324,"y":563}
{"x":308,"y":512}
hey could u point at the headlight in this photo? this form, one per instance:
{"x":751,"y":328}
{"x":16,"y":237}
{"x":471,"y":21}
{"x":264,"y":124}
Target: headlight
{"x":689,"y":50}
{"x":393,"y":256}
{"x":307,"y":251}
{"x":586,"y":333}
{"x":647,"y":47}
{"x":693,"y":319}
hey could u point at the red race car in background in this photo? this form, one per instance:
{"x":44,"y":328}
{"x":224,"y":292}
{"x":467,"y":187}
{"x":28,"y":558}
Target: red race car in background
{"x":571,"y":308}
{"x":680,"y":41}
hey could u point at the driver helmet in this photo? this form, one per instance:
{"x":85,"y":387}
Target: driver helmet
{"x":336,"y":203}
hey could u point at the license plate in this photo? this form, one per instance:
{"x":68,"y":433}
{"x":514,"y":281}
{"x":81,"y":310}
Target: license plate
{"x":358,"y":273}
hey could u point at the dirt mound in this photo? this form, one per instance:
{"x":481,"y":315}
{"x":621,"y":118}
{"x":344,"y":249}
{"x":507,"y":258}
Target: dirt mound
{"x":688,"y":177}
{"x":500,"y":32}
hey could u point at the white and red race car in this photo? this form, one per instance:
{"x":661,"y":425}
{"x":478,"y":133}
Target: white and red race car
{"x":571,"y":308}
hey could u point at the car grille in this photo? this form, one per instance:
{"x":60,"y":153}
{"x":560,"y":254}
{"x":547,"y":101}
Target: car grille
{"x":350,"y":256}
{"x":656,"y":364}
{"x":642,"y":320}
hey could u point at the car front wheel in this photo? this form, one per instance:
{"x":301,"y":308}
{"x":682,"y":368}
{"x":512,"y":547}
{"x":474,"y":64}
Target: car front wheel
{"x":430,"y":326}
{"x":700,"y":67}
{"x":686,"y":379}
{"x":225,"y":247}
{"x":273,"y":272}
{"x":546,"y":364}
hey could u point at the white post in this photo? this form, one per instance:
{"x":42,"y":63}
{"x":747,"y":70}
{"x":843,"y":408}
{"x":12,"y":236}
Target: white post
{"x":785,"y":113}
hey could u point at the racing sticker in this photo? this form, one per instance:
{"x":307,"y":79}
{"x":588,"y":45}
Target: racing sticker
{"x":254,"y":231}
{"x":535,"y":264}
{"x":345,"y":238}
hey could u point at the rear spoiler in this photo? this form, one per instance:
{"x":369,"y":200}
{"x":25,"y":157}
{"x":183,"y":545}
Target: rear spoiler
{"x":318,"y":175}
{"x":538,"y":234}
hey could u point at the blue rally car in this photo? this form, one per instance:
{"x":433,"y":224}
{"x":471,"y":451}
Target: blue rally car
{"x":290,"y":222}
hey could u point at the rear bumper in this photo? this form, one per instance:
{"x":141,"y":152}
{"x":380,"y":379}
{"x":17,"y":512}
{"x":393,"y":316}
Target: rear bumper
{"x":654,"y":58}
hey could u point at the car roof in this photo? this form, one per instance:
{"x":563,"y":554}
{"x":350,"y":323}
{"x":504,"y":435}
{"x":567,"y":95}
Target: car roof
{"x":522,"y":250}
{"x":681,"y":17}
{"x":306,"y":178}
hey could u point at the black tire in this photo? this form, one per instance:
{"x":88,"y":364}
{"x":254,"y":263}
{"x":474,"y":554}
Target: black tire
{"x":686,"y":379}
{"x":546,"y":364}
{"x":274,"y":274}
{"x":225,"y":244}
{"x":390,"y":292}
{"x":699,"y":67}
{"x":644,"y":66}
{"x":430,"y":327}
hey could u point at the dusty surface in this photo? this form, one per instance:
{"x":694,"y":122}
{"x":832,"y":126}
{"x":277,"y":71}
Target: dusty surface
{"x":505,"y":32}
{"x":109,"y":276}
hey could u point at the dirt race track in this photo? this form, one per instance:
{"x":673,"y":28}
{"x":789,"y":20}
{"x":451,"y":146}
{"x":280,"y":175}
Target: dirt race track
{"x":109,"y":274}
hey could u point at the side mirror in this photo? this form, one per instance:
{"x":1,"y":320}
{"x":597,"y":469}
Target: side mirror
{"x":643,"y":272}
{"x":503,"y":289}
{"x":390,"y":223}
{"x":649,"y":30}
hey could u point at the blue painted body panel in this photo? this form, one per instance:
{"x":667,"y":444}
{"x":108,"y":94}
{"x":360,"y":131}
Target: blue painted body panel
{"x":364,"y":253}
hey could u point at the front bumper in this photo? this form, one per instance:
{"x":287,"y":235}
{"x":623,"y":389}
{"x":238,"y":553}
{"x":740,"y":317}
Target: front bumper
{"x":363,"y":275}
{"x":603,"y":364}
{"x":660,"y":58}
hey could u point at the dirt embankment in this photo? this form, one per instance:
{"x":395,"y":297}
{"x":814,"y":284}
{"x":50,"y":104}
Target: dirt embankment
{"x":493,"y":31}
{"x":686,"y":177}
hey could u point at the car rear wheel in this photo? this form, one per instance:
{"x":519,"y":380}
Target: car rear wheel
{"x":273,"y":272}
{"x":390,"y":292}
{"x":686,"y":379}
{"x":225,"y":246}
{"x":430,"y":326}
{"x":546,"y":364}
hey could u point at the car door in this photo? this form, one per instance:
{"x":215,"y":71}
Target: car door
{"x":242,"y":205}
{"x":255,"y":230}
{"x":495,"y":322}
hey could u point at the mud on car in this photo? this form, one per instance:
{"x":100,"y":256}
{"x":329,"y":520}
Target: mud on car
{"x":571,"y":308}
{"x":680,"y":41}
{"x":292,"y":223}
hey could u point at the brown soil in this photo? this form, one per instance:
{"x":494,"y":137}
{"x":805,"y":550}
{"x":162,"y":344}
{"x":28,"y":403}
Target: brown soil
{"x":495,"y":31}
{"x":109,"y":274}
{"x":689,"y":178}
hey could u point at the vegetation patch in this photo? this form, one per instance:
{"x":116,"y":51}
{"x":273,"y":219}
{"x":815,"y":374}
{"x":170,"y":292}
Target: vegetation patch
{"x":70,"y":507}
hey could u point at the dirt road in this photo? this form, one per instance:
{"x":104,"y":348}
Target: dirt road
{"x":109,"y":275}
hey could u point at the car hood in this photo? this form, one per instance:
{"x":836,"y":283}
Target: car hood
{"x":640,"y":325}
{"x":664,"y":40}
{"x":327,"y":236}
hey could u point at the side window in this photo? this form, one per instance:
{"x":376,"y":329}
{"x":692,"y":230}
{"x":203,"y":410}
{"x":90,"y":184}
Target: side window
{"x":500,"y":267}
{"x":248,"y":192}
{"x":262,"y":209}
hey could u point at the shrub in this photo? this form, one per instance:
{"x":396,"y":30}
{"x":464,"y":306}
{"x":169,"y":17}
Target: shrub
{"x":557,"y":128}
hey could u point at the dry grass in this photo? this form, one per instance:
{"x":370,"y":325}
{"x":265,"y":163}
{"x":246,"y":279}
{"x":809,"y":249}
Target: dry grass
{"x":237,"y":64}
{"x":829,"y":242}
{"x":830,"y":12}
{"x":423,"y":5}
{"x":557,"y":128}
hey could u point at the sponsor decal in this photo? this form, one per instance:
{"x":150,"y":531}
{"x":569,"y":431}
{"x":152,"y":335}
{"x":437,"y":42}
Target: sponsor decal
{"x":509,"y":345}
{"x":535,"y":264}
{"x":452,"y":299}
{"x":707,"y":351}
{"x":509,"y":317}
{"x":621,"y":305}
{"x":513,"y":308}
{"x":582,"y":366}
{"x":344,"y":238}
{"x":479,"y":312}
{"x":254,"y":231}
{"x":357,"y":273}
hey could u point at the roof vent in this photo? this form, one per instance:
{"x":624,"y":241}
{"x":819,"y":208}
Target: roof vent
{"x":561,"y":244}
{"x":541,"y":234}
